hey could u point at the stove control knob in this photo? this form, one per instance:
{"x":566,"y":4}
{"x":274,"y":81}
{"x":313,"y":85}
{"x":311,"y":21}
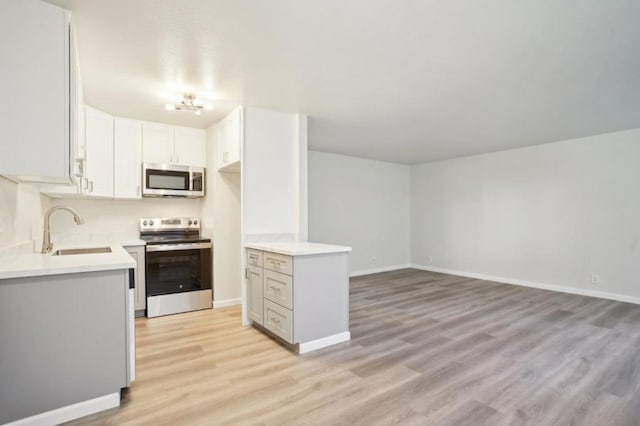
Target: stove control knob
{"x":190,"y":222}
{"x":144,"y":223}
{"x":151,"y":222}
{"x":195,"y":222}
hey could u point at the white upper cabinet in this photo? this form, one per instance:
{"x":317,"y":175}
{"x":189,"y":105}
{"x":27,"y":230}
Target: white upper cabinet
{"x":99,"y":153}
{"x":171,"y":144}
{"x":35,"y":82}
{"x":229,"y":141}
{"x":157,"y":143}
{"x":127,"y":146}
{"x":189,"y":147}
{"x":74,"y":188}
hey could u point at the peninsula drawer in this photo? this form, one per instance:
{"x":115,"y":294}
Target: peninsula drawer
{"x":278,"y":288}
{"x":278,"y":262}
{"x":278,"y":320}
{"x":254,"y":257}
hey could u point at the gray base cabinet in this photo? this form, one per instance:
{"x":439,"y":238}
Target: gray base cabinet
{"x":62,"y":340}
{"x":300,"y":299}
{"x":255,"y":294}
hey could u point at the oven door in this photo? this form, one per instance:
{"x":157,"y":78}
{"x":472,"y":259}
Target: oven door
{"x":178,"y":268}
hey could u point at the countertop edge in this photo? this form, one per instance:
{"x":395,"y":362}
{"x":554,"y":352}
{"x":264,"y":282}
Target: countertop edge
{"x":38,"y":265}
{"x":310,"y":252}
{"x":66,"y":270}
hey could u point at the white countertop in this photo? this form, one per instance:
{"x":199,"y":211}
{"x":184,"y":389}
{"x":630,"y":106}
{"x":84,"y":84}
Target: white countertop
{"x":297,"y":248}
{"x":20,"y":263}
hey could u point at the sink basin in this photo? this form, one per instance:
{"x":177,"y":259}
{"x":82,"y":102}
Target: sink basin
{"x":92,"y":250}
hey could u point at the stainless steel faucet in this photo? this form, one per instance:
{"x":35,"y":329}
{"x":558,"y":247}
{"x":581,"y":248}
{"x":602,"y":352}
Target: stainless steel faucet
{"x":47,"y":245}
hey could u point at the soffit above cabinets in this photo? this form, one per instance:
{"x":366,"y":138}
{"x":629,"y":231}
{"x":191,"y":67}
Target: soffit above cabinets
{"x":397,"y":81}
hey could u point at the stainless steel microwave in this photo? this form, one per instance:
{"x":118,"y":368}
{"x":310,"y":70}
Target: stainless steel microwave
{"x":172,"y":180}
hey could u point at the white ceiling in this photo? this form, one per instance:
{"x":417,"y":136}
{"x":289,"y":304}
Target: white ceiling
{"x":405,"y":81}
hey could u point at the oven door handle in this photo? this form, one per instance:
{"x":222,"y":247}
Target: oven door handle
{"x":174,"y":247}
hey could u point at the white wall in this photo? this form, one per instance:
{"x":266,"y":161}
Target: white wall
{"x":269,"y":172}
{"x":363,"y":204}
{"x":107,"y":219}
{"x":551,"y":214}
{"x":21,"y":211}
{"x":221,"y":222}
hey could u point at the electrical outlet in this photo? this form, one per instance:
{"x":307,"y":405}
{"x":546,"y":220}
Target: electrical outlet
{"x":595,"y":279}
{"x":373,"y":259}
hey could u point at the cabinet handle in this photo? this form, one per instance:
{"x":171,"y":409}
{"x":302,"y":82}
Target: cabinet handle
{"x":80,"y":167}
{"x":138,"y":190}
{"x":275,"y":320}
{"x":275,"y":288}
{"x":91,"y":186}
{"x":85,"y":184}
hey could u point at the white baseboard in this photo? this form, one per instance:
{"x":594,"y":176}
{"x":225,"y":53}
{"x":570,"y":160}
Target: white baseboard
{"x":324,"y":342}
{"x":71,"y":412}
{"x":533,"y":284}
{"x":226,"y":302}
{"x":377,"y":270}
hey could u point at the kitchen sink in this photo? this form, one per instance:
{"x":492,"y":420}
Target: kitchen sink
{"x":92,"y":250}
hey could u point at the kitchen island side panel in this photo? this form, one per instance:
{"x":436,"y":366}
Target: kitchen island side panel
{"x":320,"y":296}
{"x":62,"y":340}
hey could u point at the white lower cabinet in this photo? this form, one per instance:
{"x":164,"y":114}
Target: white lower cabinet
{"x":254,"y":293}
{"x":278,"y":288}
{"x":278,"y":320}
{"x":301,"y":299}
{"x":138,"y":254}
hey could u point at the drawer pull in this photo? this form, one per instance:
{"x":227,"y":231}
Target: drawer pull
{"x":275,"y":320}
{"x":274,"y":288}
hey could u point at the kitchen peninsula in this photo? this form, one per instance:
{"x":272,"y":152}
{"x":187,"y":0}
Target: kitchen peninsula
{"x":299,"y":292}
{"x":66,"y":327}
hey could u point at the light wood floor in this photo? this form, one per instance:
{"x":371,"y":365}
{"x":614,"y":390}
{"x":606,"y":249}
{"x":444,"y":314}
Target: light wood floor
{"x":427,"y":349}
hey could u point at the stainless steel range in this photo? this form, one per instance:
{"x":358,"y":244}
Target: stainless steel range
{"x":179,"y":266}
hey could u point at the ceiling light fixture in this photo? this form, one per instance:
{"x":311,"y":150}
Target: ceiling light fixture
{"x":188,"y":104}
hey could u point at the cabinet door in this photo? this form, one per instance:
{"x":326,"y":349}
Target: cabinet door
{"x":99,"y":153}
{"x":138,"y":254}
{"x":221,"y":139}
{"x":35,"y":86}
{"x":229,"y":140}
{"x":254,"y":294}
{"x":157,"y":143}
{"x":234,"y":136}
{"x":127,"y":158}
{"x":189,"y":146}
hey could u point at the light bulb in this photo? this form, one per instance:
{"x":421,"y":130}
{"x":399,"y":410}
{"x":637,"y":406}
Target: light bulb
{"x":170,"y":107}
{"x":208,"y":107}
{"x":198,"y":112}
